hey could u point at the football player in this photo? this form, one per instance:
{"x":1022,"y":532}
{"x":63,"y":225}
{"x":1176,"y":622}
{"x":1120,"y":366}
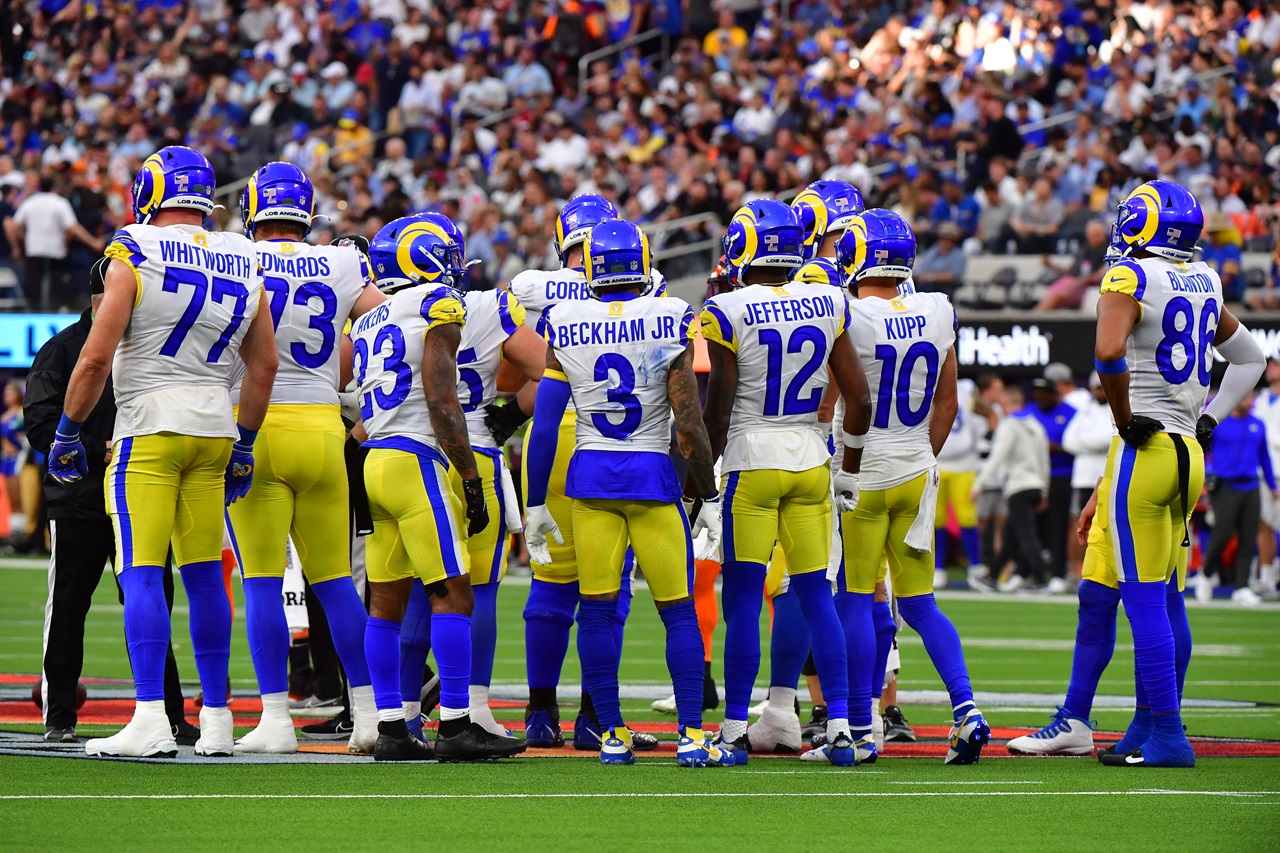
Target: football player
{"x":180,"y":303}
{"x":906,"y":342}
{"x":771,"y":345}
{"x":300,"y":491}
{"x":626,"y":361}
{"x":405,"y":357}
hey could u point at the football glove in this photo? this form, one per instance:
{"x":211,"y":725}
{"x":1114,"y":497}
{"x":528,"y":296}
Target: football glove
{"x":68,"y":461}
{"x":1204,"y":432}
{"x":503,"y":421}
{"x":704,"y":516}
{"x":239,"y":476}
{"x":538,"y":526}
{"x":845,"y":487}
{"x":1139,"y":430}
{"x":477,"y":512}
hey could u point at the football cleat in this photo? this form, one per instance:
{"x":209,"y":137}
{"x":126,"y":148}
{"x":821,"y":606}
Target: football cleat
{"x":615,"y":747}
{"x":53,"y":734}
{"x":757,"y":709}
{"x":273,"y":735}
{"x":665,"y":706}
{"x":586,"y":734}
{"x":895,"y":725}
{"x":393,"y":746}
{"x":775,"y":733}
{"x":738,"y":750}
{"x":642,"y":742}
{"x":695,"y":749}
{"x":1156,"y":752}
{"x":334,"y":728}
{"x":817,"y":724}
{"x":148,"y":735}
{"x":216,"y":734}
{"x":364,"y":711}
{"x":542,"y":729}
{"x":185,"y":734}
{"x":476,"y":744}
{"x":967,"y":739}
{"x":940,"y":579}
{"x":864,"y":750}
{"x":839,"y":752}
{"x":1064,"y":735}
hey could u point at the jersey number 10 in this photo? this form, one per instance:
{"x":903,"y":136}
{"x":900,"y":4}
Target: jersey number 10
{"x":895,"y":383}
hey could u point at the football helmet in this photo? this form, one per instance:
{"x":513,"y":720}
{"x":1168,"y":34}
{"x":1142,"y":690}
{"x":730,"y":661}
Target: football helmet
{"x":877,"y":242}
{"x":414,"y":250}
{"x":616,"y":254}
{"x":763,"y":233}
{"x":824,"y":207}
{"x":174,"y":176}
{"x":279,"y":191}
{"x":577,"y":218}
{"x":1160,"y":217}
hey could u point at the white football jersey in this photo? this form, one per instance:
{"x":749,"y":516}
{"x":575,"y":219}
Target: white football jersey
{"x":902,"y":343}
{"x":492,"y":317}
{"x":1266,"y":407}
{"x":782,"y":336}
{"x":616,"y":356}
{"x":389,"y":343}
{"x":311,"y":291}
{"x":1170,"y":351}
{"x":198,"y":291}
{"x":960,"y":451}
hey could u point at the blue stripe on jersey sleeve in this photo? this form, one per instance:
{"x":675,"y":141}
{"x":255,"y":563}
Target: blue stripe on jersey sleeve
{"x":685,"y":322}
{"x":124,"y":248}
{"x":721,"y":330}
{"x":504,"y":313}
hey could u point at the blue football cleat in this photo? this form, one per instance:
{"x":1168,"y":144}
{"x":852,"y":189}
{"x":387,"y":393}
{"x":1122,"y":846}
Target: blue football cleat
{"x":839,"y":752}
{"x":1160,"y":750}
{"x":1139,"y":731}
{"x":615,"y":747}
{"x":586,"y":734}
{"x":968,"y":737}
{"x":738,"y":750}
{"x":695,"y":749}
{"x":864,"y":750}
{"x":542,"y":730}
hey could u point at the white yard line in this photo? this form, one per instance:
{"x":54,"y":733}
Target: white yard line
{"x":637,"y":795}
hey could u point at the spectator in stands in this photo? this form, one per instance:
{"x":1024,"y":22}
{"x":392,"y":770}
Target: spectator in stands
{"x":941,"y":267}
{"x":1053,"y":414}
{"x":1083,"y":272}
{"x":1037,"y":222}
{"x":1222,"y":252}
{"x":1088,"y":438}
{"x":38,"y":232}
{"x":956,"y":207}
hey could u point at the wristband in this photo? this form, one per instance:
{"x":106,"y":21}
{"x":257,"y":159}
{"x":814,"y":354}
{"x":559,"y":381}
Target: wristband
{"x":68,"y":429}
{"x":247,"y":437}
{"x":855,"y":442}
{"x":1111,"y":368}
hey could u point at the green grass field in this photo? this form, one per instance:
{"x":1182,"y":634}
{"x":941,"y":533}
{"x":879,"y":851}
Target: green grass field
{"x":1019,"y":650}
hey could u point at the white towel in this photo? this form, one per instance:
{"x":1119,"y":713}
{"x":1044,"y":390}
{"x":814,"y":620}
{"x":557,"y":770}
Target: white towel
{"x":920,"y":536}
{"x":509,"y":500}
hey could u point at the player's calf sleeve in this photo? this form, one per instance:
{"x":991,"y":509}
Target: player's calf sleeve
{"x":1181,"y":627}
{"x":741,"y":592}
{"x":1095,"y":644}
{"x":484,"y":633}
{"x":943,"y":645}
{"x":146,"y":628}
{"x":451,"y":640}
{"x":415,"y":643}
{"x":624,"y":610}
{"x":210,"y":627}
{"x":548,"y":616}
{"x":705,"y":573}
{"x":268,"y":632}
{"x":599,"y":656}
{"x":788,"y":643}
{"x":347,"y":619}
{"x":971,"y":540}
{"x":1147,"y":608}
{"x":854,"y":609}
{"x":827,"y":637}
{"x":684,"y":660}
{"x":382,"y":650}
{"x":886,"y":628}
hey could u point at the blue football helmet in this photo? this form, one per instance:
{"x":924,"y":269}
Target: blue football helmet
{"x":1160,"y":217}
{"x":818,"y":271}
{"x":280,"y":191}
{"x":174,"y":176}
{"x":877,"y":242}
{"x":413,"y":250}
{"x":459,"y":266}
{"x":577,"y":218}
{"x":616,"y":254}
{"x":763,"y":233}
{"x":824,"y":207}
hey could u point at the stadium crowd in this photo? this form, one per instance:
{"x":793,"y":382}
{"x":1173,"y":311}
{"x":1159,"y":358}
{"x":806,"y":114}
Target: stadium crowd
{"x":992,"y":127}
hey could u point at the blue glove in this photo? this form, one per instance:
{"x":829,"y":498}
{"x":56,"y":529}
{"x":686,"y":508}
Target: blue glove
{"x":240,"y":468}
{"x":68,"y":461}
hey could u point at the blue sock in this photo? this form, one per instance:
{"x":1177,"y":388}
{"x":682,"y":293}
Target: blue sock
{"x":943,"y":645}
{"x":415,"y":643}
{"x":268,"y":632}
{"x":855,"y":610}
{"x":1181,"y":627}
{"x":146,"y":628}
{"x":1095,"y":643}
{"x":789,"y":642}
{"x":484,"y":632}
{"x":940,"y":548}
{"x":210,"y":627}
{"x":548,"y":616}
{"x":741,"y":596}
{"x":382,"y":650}
{"x":347,"y":617}
{"x":886,"y":628}
{"x":451,"y":642}
{"x":1153,"y":651}
{"x":624,"y":610}
{"x":829,"y":657}
{"x":599,"y":655}
{"x":972,"y":542}
{"x":684,"y":660}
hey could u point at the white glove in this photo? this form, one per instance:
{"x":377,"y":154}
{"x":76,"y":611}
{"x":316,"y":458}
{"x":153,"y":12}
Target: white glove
{"x":845,"y":487}
{"x":512,"y":505}
{"x":539,"y":524}
{"x":349,"y":404}
{"x":709,"y":522}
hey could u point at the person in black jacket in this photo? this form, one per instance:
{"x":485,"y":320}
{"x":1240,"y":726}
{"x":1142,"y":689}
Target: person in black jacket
{"x":82,"y":541}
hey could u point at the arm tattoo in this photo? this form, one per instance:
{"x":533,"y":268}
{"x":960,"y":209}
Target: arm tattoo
{"x":439,"y":380}
{"x":695,"y":444}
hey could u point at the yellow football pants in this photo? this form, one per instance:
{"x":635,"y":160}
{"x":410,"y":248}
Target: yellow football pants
{"x":651,"y":528}
{"x":792,"y":508}
{"x":418,"y":521}
{"x":487,"y":550}
{"x":564,"y":560}
{"x":876,"y":529}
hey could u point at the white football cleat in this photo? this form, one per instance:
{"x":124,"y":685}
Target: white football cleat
{"x":274,"y":735}
{"x":665,"y":706}
{"x":364,"y":717}
{"x":148,"y":735}
{"x":1245,"y":597}
{"x":757,"y":709}
{"x":1063,"y":736}
{"x":1057,"y":586}
{"x":776,"y":732}
{"x":1204,"y":587}
{"x":216,"y":736}
{"x":939,"y":578}
{"x":1013,"y":584}
{"x":695,"y":749}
